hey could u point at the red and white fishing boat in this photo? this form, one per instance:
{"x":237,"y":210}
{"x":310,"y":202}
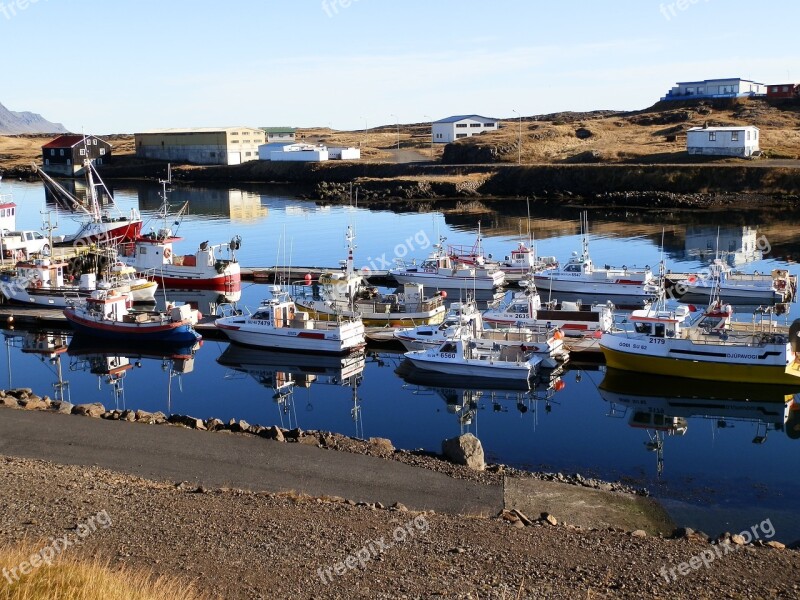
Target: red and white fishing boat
{"x":210,"y":267}
{"x":97,"y":226}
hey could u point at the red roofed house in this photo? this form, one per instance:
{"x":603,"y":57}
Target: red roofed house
{"x":66,"y":154}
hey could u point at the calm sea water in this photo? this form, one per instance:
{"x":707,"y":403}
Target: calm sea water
{"x":720,"y":457}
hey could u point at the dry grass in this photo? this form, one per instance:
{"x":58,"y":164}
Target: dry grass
{"x":72,"y":579}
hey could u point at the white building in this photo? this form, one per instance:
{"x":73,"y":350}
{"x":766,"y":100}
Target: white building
{"x":723,"y":141}
{"x":732,"y":87}
{"x":201,"y":146}
{"x":293,"y":153}
{"x":280,"y":134}
{"x":341,"y":153}
{"x":453,"y":128}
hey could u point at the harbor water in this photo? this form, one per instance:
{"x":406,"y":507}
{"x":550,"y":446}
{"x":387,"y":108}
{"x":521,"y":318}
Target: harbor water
{"x":720,"y":457}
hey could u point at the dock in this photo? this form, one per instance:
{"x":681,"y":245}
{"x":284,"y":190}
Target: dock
{"x":281,"y":274}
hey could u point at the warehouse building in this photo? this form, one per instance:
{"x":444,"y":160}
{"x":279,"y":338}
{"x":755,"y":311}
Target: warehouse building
{"x":201,"y":146}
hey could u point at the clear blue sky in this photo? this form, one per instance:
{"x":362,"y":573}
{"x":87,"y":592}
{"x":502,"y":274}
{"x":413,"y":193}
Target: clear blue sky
{"x":126,"y":66}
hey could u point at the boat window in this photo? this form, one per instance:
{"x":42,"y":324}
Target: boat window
{"x":641,"y":417}
{"x":448,"y":347}
{"x":424,"y":333}
{"x":711,"y":322}
{"x":572,"y":268}
{"x":261,"y":315}
{"x":645,"y":328}
{"x":659,"y":329}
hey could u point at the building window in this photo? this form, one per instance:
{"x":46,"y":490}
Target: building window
{"x":476,"y":125}
{"x":212,"y":154}
{"x":234,"y":133}
{"x":461,"y":124}
{"x":69,"y":162}
{"x":94,"y":142}
{"x":46,"y":162}
{"x":247,"y":154}
{"x":712,"y":136}
{"x":774,"y":88}
{"x":735,"y":136}
{"x":83,"y":152}
{"x":748,"y":135}
{"x":461,"y":135}
{"x":52,"y":152}
{"x":61,"y":152}
{"x":700,"y":91}
{"x":102,"y":151}
{"x":488,"y":125}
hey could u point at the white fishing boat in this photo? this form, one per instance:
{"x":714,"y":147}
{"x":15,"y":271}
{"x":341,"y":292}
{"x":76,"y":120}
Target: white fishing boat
{"x":142,"y":289}
{"x":346,"y":293}
{"x":461,"y":356}
{"x":575,"y":319}
{"x":707,"y":345}
{"x":96,"y":225}
{"x":277,"y":323}
{"x":738,"y":287}
{"x":440,"y":271}
{"x":580,"y":276}
{"x":465,"y":318}
{"x":519,"y":264}
{"x":43,"y":282}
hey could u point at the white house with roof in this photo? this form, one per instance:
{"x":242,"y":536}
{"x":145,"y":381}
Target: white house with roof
{"x":732,"y":87}
{"x":723,"y":141}
{"x":456,"y":127}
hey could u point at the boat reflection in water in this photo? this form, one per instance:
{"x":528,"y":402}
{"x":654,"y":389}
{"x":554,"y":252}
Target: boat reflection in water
{"x":465,"y":396}
{"x":206,"y":301}
{"x":48,"y":346}
{"x":662,"y":406}
{"x":283,"y":372}
{"x":111,"y":361}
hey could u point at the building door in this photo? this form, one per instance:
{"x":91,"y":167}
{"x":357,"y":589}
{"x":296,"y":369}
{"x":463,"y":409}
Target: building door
{"x":234,"y":158}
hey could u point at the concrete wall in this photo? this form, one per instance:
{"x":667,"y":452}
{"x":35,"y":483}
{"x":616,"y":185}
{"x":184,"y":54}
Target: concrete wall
{"x":299,"y":156}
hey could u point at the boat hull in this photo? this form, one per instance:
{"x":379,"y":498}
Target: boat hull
{"x":172,"y":332}
{"x":467,"y":368}
{"x":295,"y":339}
{"x":229,"y":281}
{"x":591,"y":288}
{"x":733,"y":294}
{"x":701,"y":369}
{"x":104,"y":233}
{"x":378,"y":319}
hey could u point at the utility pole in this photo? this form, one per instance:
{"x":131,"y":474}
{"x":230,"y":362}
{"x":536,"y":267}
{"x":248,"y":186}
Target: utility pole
{"x":431,"y":120}
{"x":519,"y":140}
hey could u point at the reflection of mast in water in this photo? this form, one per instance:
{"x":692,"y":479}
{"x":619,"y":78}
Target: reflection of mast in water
{"x":49,"y":347}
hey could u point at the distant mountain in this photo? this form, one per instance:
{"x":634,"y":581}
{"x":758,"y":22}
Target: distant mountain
{"x":12,"y":123}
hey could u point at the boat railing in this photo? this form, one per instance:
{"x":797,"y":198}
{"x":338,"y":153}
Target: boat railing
{"x":226,"y":309}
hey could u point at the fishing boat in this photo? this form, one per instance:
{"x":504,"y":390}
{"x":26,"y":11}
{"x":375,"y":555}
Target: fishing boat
{"x":107,"y":314}
{"x":277,"y":323}
{"x":153,"y":255}
{"x":574,"y":319}
{"x":461,"y":356}
{"x":580,"y":276}
{"x":43,"y":282}
{"x":705,"y":345}
{"x":738,"y":287}
{"x":464,"y":318}
{"x":142,"y":289}
{"x":97,"y":226}
{"x":346,"y":293}
{"x":211,"y":267}
{"x":440,"y":271}
{"x":521,"y":262}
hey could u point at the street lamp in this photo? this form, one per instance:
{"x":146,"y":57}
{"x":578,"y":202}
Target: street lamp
{"x":519,"y":139}
{"x":431,"y":120}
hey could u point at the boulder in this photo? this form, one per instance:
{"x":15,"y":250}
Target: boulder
{"x":272,"y":433}
{"x":128,"y":415}
{"x":65,"y":408}
{"x":34,"y":403}
{"x":142,"y":416}
{"x":550,"y":519}
{"x":241,"y":426}
{"x":214,"y":425}
{"x":309,"y":440}
{"x":159,"y":418}
{"x":10,"y":401}
{"x":738,"y":539}
{"x":639,"y":533}
{"x":187,"y":421}
{"x":382,"y":445}
{"x":293,"y":435}
{"x":775,"y":545}
{"x":465,"y":450}
{"x":94,"y":410}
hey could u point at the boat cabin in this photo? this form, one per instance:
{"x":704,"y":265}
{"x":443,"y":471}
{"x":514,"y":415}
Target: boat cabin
{"x":42,"y":273}
{"x":280,"y":312}
{"x":660,"y":323}
{"x":111,"y":305}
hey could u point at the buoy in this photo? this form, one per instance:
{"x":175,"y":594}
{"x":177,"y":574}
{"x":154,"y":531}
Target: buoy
{"x":560,"y":385}
{"x":308,"y":278}
{"x":10,"y":319}
{"x":443,"y":294}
